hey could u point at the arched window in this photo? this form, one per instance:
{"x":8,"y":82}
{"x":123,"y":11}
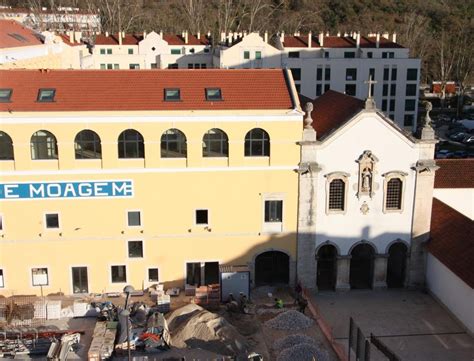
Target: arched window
{"x":393,"y":198}
{"x":173,"y":144}
{"x":337,"y":195}
{"x":44,"y":145}
{"x":87,"y":145}
{"x":215,"y":144}
{"x":6,"y":147}
{"x":130,"y":144}
{"x":257,"y":143}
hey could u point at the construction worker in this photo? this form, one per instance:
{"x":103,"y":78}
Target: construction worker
{"x":278,"y":303}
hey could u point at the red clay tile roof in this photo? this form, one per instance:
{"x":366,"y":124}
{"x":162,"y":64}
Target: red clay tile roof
{"x":301,"y":41}
{"x":455,"y":173}
{"x":452,"y":240}
{"x":65,"y":39}
{"x":86,"y":90}
{"x":133,"y":39}
{"x":331,"y":110}
{"x":13,"y":35}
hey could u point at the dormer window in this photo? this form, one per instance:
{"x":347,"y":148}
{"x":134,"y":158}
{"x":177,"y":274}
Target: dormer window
{"x":172,"y":95}
{"x":213,"y":94}
{"x":46,"y":95}
{"x":5,"y":95}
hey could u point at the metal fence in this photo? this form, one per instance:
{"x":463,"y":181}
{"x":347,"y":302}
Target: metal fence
{"x":16,"y":311}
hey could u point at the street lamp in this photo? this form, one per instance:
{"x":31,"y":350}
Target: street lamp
{"x":126,"y":313}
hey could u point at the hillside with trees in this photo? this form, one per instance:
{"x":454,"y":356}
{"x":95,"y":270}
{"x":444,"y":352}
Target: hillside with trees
{"x":440,"y":32}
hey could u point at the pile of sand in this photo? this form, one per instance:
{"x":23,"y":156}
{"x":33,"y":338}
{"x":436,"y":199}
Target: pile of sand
{"x":192,"y":326}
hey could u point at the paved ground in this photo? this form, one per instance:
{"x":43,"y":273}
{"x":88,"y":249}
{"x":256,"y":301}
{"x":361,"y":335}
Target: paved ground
{"x":411,"y":323}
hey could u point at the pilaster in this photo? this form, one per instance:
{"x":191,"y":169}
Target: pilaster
{"x":343,"y":273}
{"x":380,"y":271}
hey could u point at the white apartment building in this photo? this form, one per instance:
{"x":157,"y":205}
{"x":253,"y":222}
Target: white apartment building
{"x":342,"y":63}
{"x":150,"y":51}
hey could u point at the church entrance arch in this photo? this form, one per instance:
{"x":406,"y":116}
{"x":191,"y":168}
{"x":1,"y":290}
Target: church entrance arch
{"x":272,"y":267}
{"x":396,"y":267}
{"x":362,"y":266}
{"x":326,"y":272}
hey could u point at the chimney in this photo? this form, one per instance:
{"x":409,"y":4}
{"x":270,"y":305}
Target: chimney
{"x":386,"y":36}
{"x":282,"y":37}
{"x":338,"y":34}
{"x":186,"y":38}
{"x":358,"y":40}
{"x":71,"y":36}
{"x":345,"y":34}
{"x":161,"y":34}
{"x":377,"y":40}
{"x":245,"y":33}
{"x":310,"y":36}
{"x":327,"y":33}
{"x":107,"y":34}
{"x":321,"y":39}
{"x":199,"y":35}
{"x":144,"y":34}
{"x":265,"y":36}
{"x":222,"y":37}
{"x":120,"y":37}
{"x":182,"y":34}
{"x":208,"y":34}
{"x":394,"y":37}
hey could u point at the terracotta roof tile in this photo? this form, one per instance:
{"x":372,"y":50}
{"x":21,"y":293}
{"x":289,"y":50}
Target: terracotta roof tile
{"x":452,"y":240}
{"x":455,"y":173}
{"x":301,"y":41}
{"x":331,"y":110}
{"x":86,"y":90}
{"x":133,"y":39}
{"x":65,"y":39}
{"x":13,"y":35}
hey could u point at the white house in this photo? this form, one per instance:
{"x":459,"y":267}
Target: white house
{"x":364,"y":187}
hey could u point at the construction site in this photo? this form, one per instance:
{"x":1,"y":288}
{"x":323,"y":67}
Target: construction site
{"x":268,"y":324}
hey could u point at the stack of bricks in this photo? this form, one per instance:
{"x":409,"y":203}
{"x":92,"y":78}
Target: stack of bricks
{"x":214,"y":295}
{"x":103,"y":340}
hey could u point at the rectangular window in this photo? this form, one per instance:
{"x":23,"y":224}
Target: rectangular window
{"x":103,"y":67}
{"x":294,"y":54}
{"x":385,"y":90}
{"x":394,"y":74}
{"x":109,"y":51}
{"x":197,"y":66}
{"x":172,"y":94}
{"x":349,"y":54}
{"x":384,"y":105}
{"x":39,"y":276}
{"x":134,"y":66}
{"x":408,"y":120}
{"x":319,"y":74}
{"x":202,"y":217}
{"x":213,"y":94}
{"x":326,"y":54}
{"x":372,"y":73}
{"x":351,"y":89}
{"x":318,"y":90}
{"x":102,"y":51}
{"x":273,"y":211}
{"x":135,"y":249}
{"x":327,"y":73}
{"x":336,"y":195}
{"x":412,"y":74}
{"x":384,"y":55}
{"x":298,"y":88}
{"x":154,"y":65}
{"x":2,"y":282}
{"x":153,"y":275}
{"x":116,"y":66}
{"x":203,"y":66}
{"x":386,"y":73}
{"x":134,"y":218}
{"x":393,"y":198}
{"x":326,"y":87}
{"x":393,"y":89}
{"x":411,"y":90}
{"x":410,"y":104}
{"x":190,"y":66}
{"x":173,"y":66}
{"x":175,"y":51}
{"x":5,"y":95}
{"x":119,"y":274}
{"x":351,"y":74}
{"x":391,"y":54}
{"x":246,"y":55}
{"x":296,"y":72}
{"x":52,"y":220}
{"x":258,"y":55}
{"x":370,"y":55}
{"x":130,"y":51}
{"x":46,"y":95}
{"x":109,"y":66}
{"x":392,"y":105}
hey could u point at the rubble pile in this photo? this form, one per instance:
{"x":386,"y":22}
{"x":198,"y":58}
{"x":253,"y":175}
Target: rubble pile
{"x":290,"y":321}
{"x":303,"y":352}
{"x":290,"y":341}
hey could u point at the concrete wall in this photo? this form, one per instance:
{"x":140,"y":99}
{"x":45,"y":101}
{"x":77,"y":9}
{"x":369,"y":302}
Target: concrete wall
{"x":454,"y":293}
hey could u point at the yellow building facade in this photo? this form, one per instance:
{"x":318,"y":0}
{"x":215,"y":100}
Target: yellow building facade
{"x":102,"y":187}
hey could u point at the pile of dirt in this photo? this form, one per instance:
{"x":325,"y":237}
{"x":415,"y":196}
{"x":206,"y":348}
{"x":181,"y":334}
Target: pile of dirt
{"x":290,"y":321}
{"x":192,"y":326}
{"x":290,"y":341}
{"x":303,"y":352}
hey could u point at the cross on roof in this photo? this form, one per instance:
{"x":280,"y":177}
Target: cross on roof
{"x":370,"y":103}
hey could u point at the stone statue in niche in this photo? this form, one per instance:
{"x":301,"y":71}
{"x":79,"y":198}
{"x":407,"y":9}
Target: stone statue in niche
{"x":367,"y":163}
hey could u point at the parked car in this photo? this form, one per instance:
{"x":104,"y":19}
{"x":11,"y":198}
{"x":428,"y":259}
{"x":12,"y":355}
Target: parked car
{"x":458,"y":137}
{"x":444,"y":154}
{"x":469,"y":140}
{"x":459,"y":154}
{"x":455,"y":131}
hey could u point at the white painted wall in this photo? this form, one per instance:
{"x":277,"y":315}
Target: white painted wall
{"x":367,"y":131}
{"x":461,"y":199}
{"x":454,"y":293}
